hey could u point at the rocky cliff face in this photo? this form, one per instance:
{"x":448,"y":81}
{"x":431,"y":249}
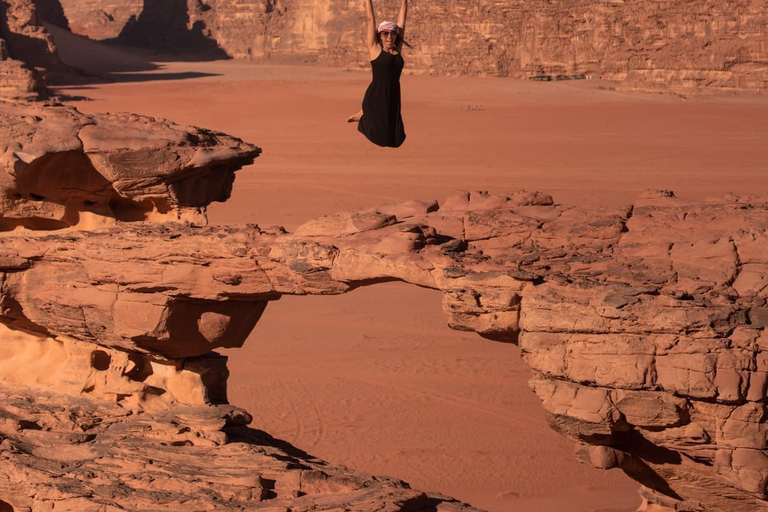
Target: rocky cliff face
{"x":26,"y":51}
{"x":645,"y":326}
{"x":99,"y":19}
{"x":17,"y":81}
{"x":662,"y":44}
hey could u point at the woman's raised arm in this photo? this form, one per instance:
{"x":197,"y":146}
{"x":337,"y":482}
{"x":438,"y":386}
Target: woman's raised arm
{"x":370,"y":30}
{"x":401,"y":18}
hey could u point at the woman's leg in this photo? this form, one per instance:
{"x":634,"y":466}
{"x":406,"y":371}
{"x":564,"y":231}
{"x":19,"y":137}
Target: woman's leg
{"x":355,"y":117}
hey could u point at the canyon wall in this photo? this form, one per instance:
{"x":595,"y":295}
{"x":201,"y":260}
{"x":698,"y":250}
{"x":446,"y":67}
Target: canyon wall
{"x":690,"y":45}
{"x":26,"y":51}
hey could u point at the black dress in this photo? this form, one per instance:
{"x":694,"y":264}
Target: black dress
{"x":381,"y":121}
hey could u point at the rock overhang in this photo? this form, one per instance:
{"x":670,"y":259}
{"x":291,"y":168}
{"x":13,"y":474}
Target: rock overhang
{"x":63,"y":168}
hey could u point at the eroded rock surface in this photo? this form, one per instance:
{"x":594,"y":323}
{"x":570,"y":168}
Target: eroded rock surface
{"x":60,"y":168}
{"x":26,"y":50}
{"x":669,"y":44}
{"x":644,"y":325}
{"x":74,"y":455}
{"x":111,"y":397}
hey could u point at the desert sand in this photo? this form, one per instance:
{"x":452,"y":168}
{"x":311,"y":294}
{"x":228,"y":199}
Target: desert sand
{"x":374,"y":379}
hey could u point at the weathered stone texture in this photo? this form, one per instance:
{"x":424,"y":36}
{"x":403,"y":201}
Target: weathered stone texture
{"x":25,"y":50}
{"x":645,"y":339}
{"x":111,"y":397}
{"x":75,"y":455}
{"x":17,"y":81}
{"x":644,"y":325}
{"x":27,"y":40}
{"x":667,"y":43}
{"x":61,"y":168}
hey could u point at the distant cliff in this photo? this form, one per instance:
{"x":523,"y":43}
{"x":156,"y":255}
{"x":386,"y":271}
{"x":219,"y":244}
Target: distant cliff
{"x":26,"y":51}
{"x":664,"y":43}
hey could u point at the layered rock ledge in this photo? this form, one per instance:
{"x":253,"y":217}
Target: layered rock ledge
{"x":60,"y":168}
{"x":25,"y":50}
{"x":645,"y":325}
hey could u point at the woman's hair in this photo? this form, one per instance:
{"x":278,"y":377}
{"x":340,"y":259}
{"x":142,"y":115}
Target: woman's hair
{"x":391,"y":27}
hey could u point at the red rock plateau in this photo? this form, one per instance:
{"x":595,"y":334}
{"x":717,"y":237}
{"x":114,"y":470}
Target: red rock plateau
{"x":644,"y":325}
{"x":664,"y":44}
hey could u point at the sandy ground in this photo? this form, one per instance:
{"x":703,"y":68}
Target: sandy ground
{"x":374,"y":380}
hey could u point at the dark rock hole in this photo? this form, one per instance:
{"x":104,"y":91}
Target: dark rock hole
{"x":100,"y":360}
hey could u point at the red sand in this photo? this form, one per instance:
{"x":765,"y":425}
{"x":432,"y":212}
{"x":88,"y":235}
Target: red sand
{"x":375,"y":380}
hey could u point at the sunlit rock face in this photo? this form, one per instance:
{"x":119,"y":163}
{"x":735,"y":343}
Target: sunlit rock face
{"x":112,"y":396}
{"x":62,"y":168}
{"x":26,"y":51}
{"x":700,"y":44}
{"x":644,"y":325}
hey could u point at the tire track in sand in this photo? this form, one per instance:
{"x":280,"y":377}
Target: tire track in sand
{"x":311,"y":429}
{"x":491,"y":410}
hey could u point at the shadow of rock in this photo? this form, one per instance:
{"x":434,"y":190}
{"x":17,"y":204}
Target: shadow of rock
{"x":52,"y":12}
{"x":163,"y":25}
{"x":109,"y":62}
{"x":149,"y":77}
{"x":253,"y":436}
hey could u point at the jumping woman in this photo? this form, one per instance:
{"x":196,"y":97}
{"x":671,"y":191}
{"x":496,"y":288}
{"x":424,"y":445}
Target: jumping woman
{"x":380,"y":119}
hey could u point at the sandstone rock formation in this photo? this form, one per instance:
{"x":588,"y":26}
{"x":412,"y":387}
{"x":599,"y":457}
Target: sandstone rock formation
{"x":644,"y":326}
{"x":666,"y":44}
{"x":127,"y":410}
{"x":75,"y":455}
{"x":62,"y":168}
{"x":100,"y":19}
{"x":17,"y":81}
{"x":25,"y":50}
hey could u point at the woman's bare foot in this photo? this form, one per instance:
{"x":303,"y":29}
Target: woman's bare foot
{"x":355,"y":117}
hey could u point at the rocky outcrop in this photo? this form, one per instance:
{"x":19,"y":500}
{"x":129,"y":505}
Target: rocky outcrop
{"x":26,"y":50}
{"x":100,"y":19}
{"x":27,"y":40}
{"x":17,"y":81}
{"x":665,"y":44}
{"x":74,"y":455}
{"x":126,"y":410}
{"x":63,"y":168}
{"x":644,"y":325}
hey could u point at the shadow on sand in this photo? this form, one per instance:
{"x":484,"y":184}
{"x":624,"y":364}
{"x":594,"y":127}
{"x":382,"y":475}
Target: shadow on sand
{"x":299,"y":459}
{"x":160,"y":33}
{"x":99,"y":62}
{"x":163,"y":26}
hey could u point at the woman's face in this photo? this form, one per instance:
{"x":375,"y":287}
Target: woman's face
{"x":388,"y":39}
